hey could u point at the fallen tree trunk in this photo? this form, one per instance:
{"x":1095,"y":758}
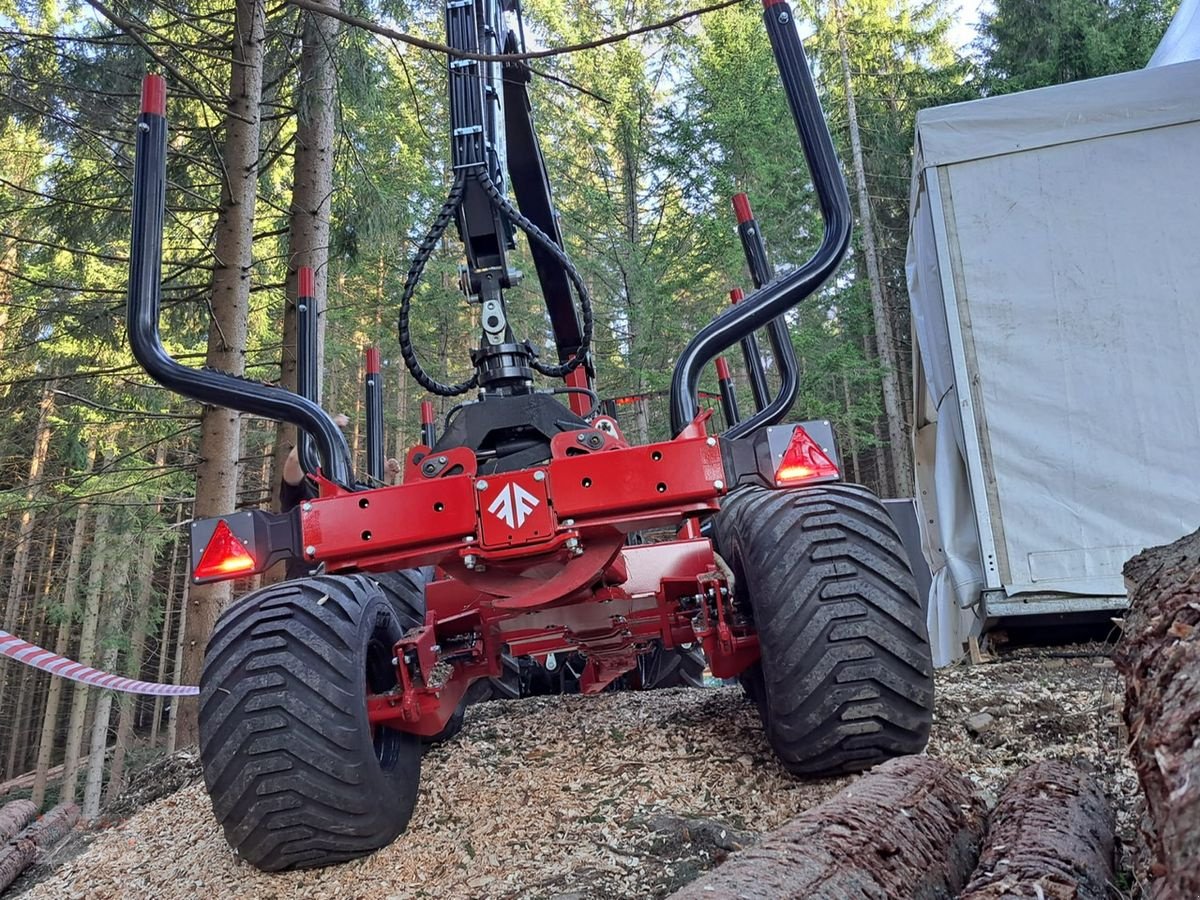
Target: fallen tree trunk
{"x":47,"y":831}
{"x":1160,"y":659}
{"x":1051,"y":835}
{"x":28,"y":778}
{"x":909,"y":828}
{"x":15,"y":816}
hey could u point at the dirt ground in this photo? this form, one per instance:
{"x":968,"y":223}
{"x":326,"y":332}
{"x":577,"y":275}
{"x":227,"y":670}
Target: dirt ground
{"x":584,"y":797}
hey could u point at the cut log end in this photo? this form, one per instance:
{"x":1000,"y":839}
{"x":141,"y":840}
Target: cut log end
{"x":1160,"y":660}
{"x":14,"y":817}
{"x":909,"y":828}
{"x":23,"y":850}
{"x":1050,"y":835}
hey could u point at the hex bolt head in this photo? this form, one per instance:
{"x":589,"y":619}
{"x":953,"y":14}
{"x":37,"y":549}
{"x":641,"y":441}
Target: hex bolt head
{"x":310,"y":550}
{"x":395,"y":660}
{"x":307,"y":507}
{"x":481,"y":485}
{"x":712,"y":442}
{"x":436,"y":648}
{"x":719,"y":485}
{"x":469,"y":560}
{"x":582,"y":437}
{"x":539,"y":475}
{"x":783,"y":17}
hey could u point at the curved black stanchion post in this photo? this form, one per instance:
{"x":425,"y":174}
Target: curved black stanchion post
{"x":729,"y":404}
{"x":782,"y":350}
{"x":142,"y":310}
{"x":306,"y":356}
{"x":373,"y":388}
{"x":776,"y":298}
{"x":752,"y":355}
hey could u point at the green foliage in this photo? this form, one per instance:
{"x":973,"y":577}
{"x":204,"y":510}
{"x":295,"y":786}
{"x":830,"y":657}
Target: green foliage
{"x":1034,"y":43}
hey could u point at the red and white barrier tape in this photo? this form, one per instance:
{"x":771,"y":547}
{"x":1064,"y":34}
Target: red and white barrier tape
{"x":40,"y":658}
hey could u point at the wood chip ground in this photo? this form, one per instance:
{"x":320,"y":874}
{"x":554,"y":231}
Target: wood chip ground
{"x":552,"y":797}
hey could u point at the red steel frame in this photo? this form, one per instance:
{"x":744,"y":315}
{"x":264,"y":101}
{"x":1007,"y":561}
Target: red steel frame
{"x":556,"y":576}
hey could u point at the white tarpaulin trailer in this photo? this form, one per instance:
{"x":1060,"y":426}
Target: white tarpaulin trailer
{"x":1054,"y":274}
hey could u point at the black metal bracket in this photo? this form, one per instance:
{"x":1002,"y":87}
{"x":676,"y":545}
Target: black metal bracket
{"x":780,"y":295}
{"x":145,"y":290}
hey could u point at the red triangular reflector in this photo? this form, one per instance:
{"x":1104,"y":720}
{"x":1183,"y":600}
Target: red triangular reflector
{"x":224,"y":556}
{"x":804,"y":460}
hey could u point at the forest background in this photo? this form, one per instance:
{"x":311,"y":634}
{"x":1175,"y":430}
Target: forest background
{"x":302,"y":139}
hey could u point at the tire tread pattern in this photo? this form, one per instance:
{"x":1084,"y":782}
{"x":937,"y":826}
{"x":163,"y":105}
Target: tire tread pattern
{"x":845,"y":678}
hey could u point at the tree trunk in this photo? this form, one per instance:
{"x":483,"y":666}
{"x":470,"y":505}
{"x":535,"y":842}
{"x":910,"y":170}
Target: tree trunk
{"x":909,"y":828}
{"x":22,"y":720}
{"x":217,"y":472}
{"x":117,"y":604}
{"x":87,"y":649}
{"x":14,"y":817}
{"x":1160,"y":658}
{"x":312,"y":189}
{"x":137,"y":645}
{"x":1050,"y":836}
{"x":164,"y":640}
{"x":885,"y":340}
{"x":43,"y":834}
{"x":177,"y":675}
{"x":54,"y":697}
{"x":24,"y":541}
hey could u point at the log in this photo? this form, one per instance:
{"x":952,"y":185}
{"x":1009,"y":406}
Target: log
{"x":1159,"y":656}
{"x":28,"y":778}
{"x":14,"y":817}
{"x":1051,"y":835}
{"x":909,"y":828}
{"x":23,"y":850}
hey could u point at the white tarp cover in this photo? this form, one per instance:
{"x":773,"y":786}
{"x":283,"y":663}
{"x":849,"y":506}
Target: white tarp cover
{"x":1055,"y":286}
{"x":1182,"y":40}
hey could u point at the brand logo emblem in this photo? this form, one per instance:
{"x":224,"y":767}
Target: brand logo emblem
{"x":512,"y":505}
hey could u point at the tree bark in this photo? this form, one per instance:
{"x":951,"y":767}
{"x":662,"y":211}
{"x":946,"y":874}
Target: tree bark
{"x":87,"y":649}
{"x":24,"y":541}
{"x":885,"y":339}
{"x":164,"y":640}
{"x":909,"y":828}
{"x":99,"y":740}
{"x":137,"y":645}
{"x":14,"y":817}
{"x":1160,"y":658}
{"x":54,"y":697}
{"x":312,"y":190}
{"x":43,"y":834}
{"x":35,"y":621}
{"x":177,"y":675}
{"x":217,"y":472}
{"x":1051,"y":835}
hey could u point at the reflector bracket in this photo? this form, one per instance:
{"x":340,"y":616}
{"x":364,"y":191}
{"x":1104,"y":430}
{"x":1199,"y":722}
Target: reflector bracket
{"x":804,"y":461}
{"x":224,"y":556}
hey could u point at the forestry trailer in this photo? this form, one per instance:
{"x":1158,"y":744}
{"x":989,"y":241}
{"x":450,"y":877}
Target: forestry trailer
{"x":517,"y":532}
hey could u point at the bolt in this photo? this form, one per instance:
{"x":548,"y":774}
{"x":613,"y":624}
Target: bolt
{"x":581,"y":438}
{"x":469,"y":539}
{"x":469,"y":560}
{"x":307,"y":507}
{"x":719,"y":485}
{"x":783,"y":17}
{"x":395,"y":660}
{"x":310,"y":550}
{"x":572,"y":543}
{"x":712,"y":442}
{"x":595,"y":440}
{"x":481,"y":485}
{"x":442,"y":460}
{"x":567,"y":523}
{"x":539,"y":475}
{"x":436,"y":648}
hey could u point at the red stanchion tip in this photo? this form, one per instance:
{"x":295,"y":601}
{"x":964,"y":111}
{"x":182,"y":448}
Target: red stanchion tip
{"x":722,"y":369}
{"x":767,"y":4}
{"x":373,"y":360}
{"x":306,"y":282}
{"x":741,"y":208}
{"x":154,"y":95}
{"x":426,"y":412}
{"x":736,"y":295}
